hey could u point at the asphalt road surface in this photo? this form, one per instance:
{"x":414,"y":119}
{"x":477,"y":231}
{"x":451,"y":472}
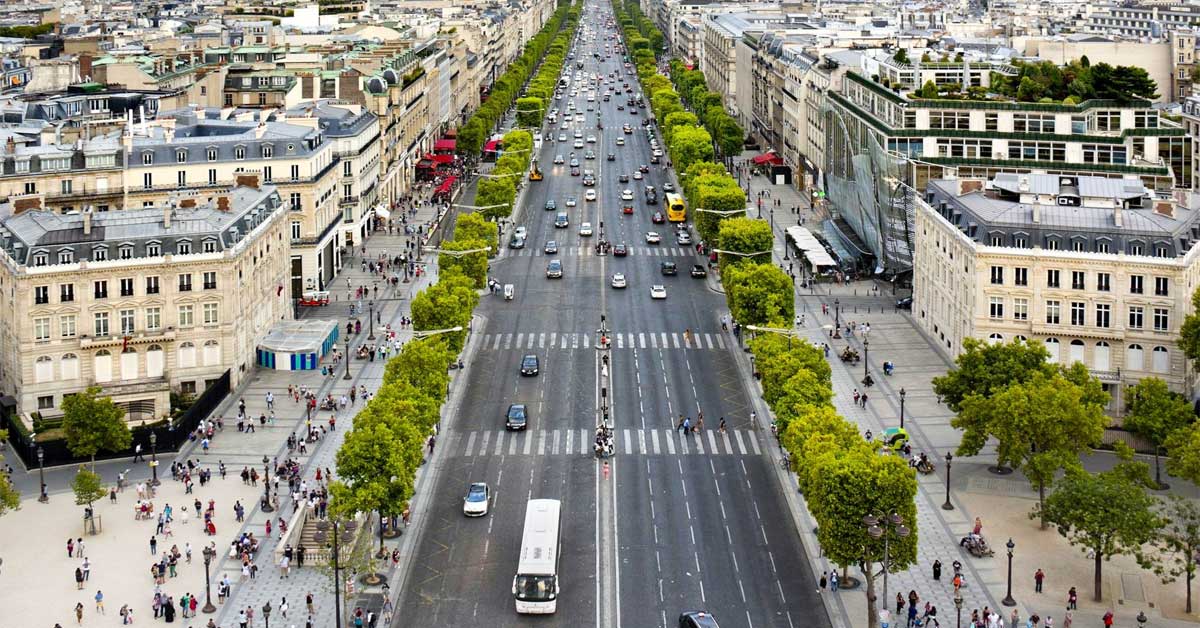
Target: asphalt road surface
{"x":680,"y":522}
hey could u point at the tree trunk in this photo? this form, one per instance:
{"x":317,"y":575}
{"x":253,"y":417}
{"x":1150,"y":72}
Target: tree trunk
{"x":1190,"y":575}
{"x":1042,"y":514}
{"x":1157,"y":472}
{"x":872,"y":614}
{"x":1099,"y":565}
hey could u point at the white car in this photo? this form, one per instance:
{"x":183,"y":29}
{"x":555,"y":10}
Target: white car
{"x":618,"y":280}
{"x":578,"y":133}
{"x":637,"y":175}
{"x":590,"y":195}
{"x":627,"y":194}
{"x":521,"y":232}
{"x":478,"y":498}
{"x":620,"y":141}
{"x":585,"y":229}
{"x":579,"y":117}
{"x":591,"y":139}
{"x":571,"y":201}
{"x":578,"y":143}
{"x":652,"y":237}
{"x":558,"y":159}
{"x":658,"y":291}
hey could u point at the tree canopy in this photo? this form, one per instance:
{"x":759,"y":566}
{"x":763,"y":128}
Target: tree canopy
{"x":92,"y":424}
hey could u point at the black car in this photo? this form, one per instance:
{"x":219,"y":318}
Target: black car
{"x":699,"y":271}
{"x":669,"y":268}
{"x":904,"y":304}
{"x":529,"y":365}
{"x":515,"y":418}
{"x":644,"y":168}
{"x":620,"y":250}
{"x":697,"y":619}
{"x":623,"y":178}
{"x":550,"y":204}
{"x":612,"y":157}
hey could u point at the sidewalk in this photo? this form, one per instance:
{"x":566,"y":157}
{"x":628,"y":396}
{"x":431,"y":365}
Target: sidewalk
{"x":1002,"y":502}
{"x":44,"y":529}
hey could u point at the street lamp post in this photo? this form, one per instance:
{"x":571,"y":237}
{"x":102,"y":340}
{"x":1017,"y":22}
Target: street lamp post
{"x":345,"y":535}
{"x":41,"y":456}
{"x":837,"y":318}
{"x":209,"y":553}
{"x":1008,"y":598}
{"x":948,"y":505}
{"x":266,"y":499}
{"x":958,"y":601}
{"x":902,"y":393}
{"x":347,"y":375}
{"x":866,"y":359}
{"x":371,"y":314}
{"x":880,"y":527}
{"x":154,"y":459}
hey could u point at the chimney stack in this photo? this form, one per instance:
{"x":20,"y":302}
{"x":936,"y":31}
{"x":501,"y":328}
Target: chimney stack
{"x":168,"y":212}
{"x":223,"y":203}
{"x":87,"y":220}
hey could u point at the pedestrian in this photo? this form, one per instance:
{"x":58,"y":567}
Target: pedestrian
{"x":1038,"y":577}
{"x":937,"y":570}
{"x":87,"y":568}
{"x":824,"y":580}
{"x":99,"y":602}
{"x":1072,"y":600}
{"x":308,"y":603}
{"x":70,"y":548}
{"x":1108,"y":619}
{"x":899,"y":603}
{"x":1068,"y":619}
{"x":153,"y":545}
{"x":78,"y":578}
{"x":79,"y":613}
{"x":833,"y":582}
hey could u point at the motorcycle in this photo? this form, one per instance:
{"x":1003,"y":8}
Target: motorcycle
{"x":977,"y":546}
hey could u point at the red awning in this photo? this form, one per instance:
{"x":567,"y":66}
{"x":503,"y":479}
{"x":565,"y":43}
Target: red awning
{"x":451,"y":134}
{"x":445,"y":186}
{"x":425,"y":164}
{"x":490,"y":147}
{"x":443,"y":159}
{"x":444,"y":146}
{"x":768,"y":158}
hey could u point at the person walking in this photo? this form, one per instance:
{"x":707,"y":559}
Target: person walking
{"x":153,"y":545}
{"x":833,"y":582}
{"x":87,"y":568}
{"x":1038,"y":577}
{"x":79,"y":613}
{"x":937,"y":570}
{"x":1072,"y":600}
{"x":78,"y":578}
{"x":824,"y":580}
{"x":99,"y":597}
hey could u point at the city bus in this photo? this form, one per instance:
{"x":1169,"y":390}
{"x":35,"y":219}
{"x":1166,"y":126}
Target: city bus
{"x":535,"y":586}
{"x":676,"y":211}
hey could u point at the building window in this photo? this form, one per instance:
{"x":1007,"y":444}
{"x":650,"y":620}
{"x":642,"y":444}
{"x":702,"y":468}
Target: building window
{"x":210,"y":314}
{"x":1021,"y":276}
{"x":66,"y":326}
{"x":1078,"y":279}
{"x":40,"y":259}
{"x":185,"y":282}
{"x":153,"y":318}
{"x":66,"y":292}
{"x":100,"y":324}
{"x":153,"y":250}
{"x":267,"y":178}
{"x":1051,"y":244}
{"x":1162,"y":286}
{"x":99,"y":254}
{"x":210,"y":280}
{"x":212,"y":176}
{"x":296,"y":230}
{"x":180,"y":156}
{"x":66,"y":257}
{"x":996,"y":307}
{"x":295,"y":172}
{"x":126,"y":322}
{"x":1103,"y":282}
{"x":1053,"y":312}
{"x":1103,"y":315}
{"x":185,"y":316}
{"x":127,"y":287}
{"x":147,"y":180}
{"x":65,"y":186}
{"x":268,"y":151}
{"x":1102,"y":247}
{"x":100,"y":289}
{"x":209,"y":246}
{"x":45,"y":402}
{"x":31,"y":187}
{"x":1136,"y":284}
{"x":1137,"y":249}
{"x":183,"y":247}
{"x":41,"y":295}
{"x":239,"y":153}
{"x":1021,"y":309}
{"x":41,"y":328}
{"x":998,"y":275}
{"x":1078,"y":313}
{"x":1052,"y":279}
{"x":1136,"y":316}
{"x":181,"y":178}
{"x":147,"y":158}
{"x":347,"y":169}
{"x":212,"y":154}
{"x":151,"y":285}
{"x":294,"y":201}
{"x":1161,"y":319}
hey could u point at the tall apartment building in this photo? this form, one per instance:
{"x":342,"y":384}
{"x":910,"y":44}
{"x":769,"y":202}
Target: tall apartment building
{"x":881,"y":140}
{"x":1099,"y":270}
{"x":142,"y":302}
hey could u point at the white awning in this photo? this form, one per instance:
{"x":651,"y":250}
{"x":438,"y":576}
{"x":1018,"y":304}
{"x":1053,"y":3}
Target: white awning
{"x":382,"y":212}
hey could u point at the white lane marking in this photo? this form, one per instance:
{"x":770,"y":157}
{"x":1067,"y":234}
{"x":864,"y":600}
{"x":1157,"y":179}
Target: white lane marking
{"x":470,"y":443}
{"x":499,"y":444}
{"x":520,"y":339}
{"x":712,"y":443}
{"x":541,"y":442}
{"x":670,"y":442}
{"x":557,"y":440}
{"x":741,"y":444}
{"x":699,"y":444}
{"x":654,"y":442}
{"x":754,"y":445}
{"x":628,"y":442}
{"x":483,"y":443}
{"x":641,"y":341}
{"x":720,"y":341}
{"x":542,"y":340}
{"x":570,"y":440}
{"x":641,"y":442}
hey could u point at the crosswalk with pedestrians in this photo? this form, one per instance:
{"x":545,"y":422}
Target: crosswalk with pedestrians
{"x":590,"y":251}
{"x":619,"y":340}
{"x":578,"y":442}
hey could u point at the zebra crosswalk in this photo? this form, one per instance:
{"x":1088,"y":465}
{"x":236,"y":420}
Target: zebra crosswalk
{"x":590,"y":251}
{"x":578,"y":442}
{"x":619,"y":340}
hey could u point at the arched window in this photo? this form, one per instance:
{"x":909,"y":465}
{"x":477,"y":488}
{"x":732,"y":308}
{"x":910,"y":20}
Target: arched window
{"x":995,"y":339}
{"x":1133,"y":357}
{"x":70,"y":367}
{"x":43,"y":369}
{"x":212,"y":353}
{"x":1019,"y":338}
{"x":1052,"y":347}
{"x":102,"y":366}
{"x":129,"y":363}
{"x":1077,"y":350}
{"x":1100,"y":356}
{"x":155,"y":361}
{"x":187,"y":355}
{"x":1161,"y":360}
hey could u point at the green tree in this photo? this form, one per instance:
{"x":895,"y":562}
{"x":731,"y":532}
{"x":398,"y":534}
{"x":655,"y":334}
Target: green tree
{"x":985,"y":368}
{"x":1042,"y":426}
{"x":759,"y":294}
{"x":684,"y":118}
{"x":1184,"y":448}
{"x":847,"y":486}
{"x":1189,"y":332}
{"x":93,"y":424}
{"x":745,"y":235}
{"x":87,"y":487}
{"x":901,"y":56}
{"x":929,"y":89}
{"x":471,"y":265}
{"x":472,"y":226}
{"x":10,"y":499}
{"x":811,"y":431}
{"x":446,"y":304}
{"x":1172,"y":553}
{"x":374,"y":472}
{"x":422,"y":364}
{"x":689,"y":145}
{"x":1154,"y":414}
{"x":496,"y":194}
{"x":1104,"y":514}
{"x":729,"y":135}
{"x":1030,"y":90}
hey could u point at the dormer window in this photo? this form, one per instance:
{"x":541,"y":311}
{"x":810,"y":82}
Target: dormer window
{"x":209,"y":246}
{"x":125,"y":252}
{"x":153,"y":249}
{"x":268,"y":151}
{"x":66,"y":256}
{"x":99,"y":254}
{"x":239,"y":152}
{"x":181,"y":156}
{"x":147,"y":158}
{"x":40,"y":259}
{"x":183,"y":247}
{"x":212,"y":154}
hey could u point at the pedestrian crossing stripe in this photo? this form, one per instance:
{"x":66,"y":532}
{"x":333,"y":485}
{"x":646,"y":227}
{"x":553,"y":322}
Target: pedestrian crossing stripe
{"x":571,"y":442}
{"x":622,"y":340}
